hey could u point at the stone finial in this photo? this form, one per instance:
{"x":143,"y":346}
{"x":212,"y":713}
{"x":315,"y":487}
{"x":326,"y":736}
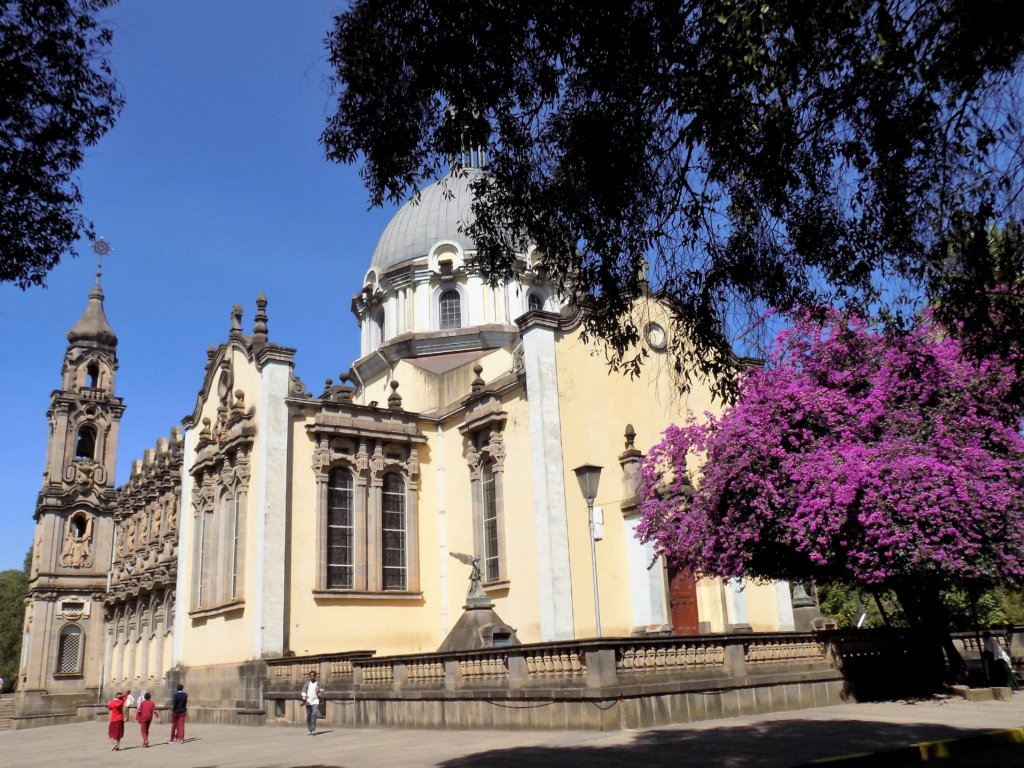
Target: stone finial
{"x":147,"y":456}
{"x":136,"y":467}
{"x":175,"y":435}
{"x":236,"y":318}
{"x":238,"y":407}
{"x":394,"y":399}
{"x":629,"y":460}
{"x":161,"y":446}
{"x":206,"y":434}
{"x":478,"y":382}
{"x":259,"y":322}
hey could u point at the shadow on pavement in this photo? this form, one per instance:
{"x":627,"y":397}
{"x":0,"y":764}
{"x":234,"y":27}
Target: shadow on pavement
{"x":763,"y":745}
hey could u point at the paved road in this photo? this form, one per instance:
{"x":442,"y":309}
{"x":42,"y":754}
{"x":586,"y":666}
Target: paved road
{"x":782,"y":740}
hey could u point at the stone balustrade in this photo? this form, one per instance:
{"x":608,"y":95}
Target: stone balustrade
{"x":589,"y":683}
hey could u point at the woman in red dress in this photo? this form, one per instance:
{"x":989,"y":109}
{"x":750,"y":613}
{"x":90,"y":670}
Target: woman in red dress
{"x":116,"y":728}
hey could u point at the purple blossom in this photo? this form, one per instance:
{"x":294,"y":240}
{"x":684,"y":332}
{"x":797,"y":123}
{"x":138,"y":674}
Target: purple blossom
{"x":870,"y":456}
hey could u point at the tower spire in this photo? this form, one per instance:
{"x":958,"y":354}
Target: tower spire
{"x":92,"y":328}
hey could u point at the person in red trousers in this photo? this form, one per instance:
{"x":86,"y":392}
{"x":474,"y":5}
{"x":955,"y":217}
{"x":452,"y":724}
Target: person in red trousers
{"x":144,"y":716}
{"x":179,"y":708}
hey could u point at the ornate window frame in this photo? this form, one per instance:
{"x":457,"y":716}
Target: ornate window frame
{"x":484,"y":447}
{"x":219,"y":505}
{"x":368,"y":459}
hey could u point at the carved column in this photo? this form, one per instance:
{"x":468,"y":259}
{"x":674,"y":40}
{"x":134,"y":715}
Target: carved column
{"x":373,"y":520}
{"x":132,"y":639}
{"x":144,"y":629}
{"x":120,"y":640}
{"x":108,"y":652}
{"x":160,"y":630}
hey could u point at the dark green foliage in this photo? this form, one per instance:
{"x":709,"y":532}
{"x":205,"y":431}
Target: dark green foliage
{"x":58,"y":96}
{"x":980,"y":294}
{"x":754,"y":154}
{"x":13,"y":586}
{"x":994,"y":608}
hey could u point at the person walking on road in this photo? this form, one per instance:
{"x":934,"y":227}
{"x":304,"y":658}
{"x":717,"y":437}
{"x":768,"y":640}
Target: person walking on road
{"x":311,"y":693}
{"x":144,"y":716}
{"x":115,"y":730}
{"x":179,"y":708}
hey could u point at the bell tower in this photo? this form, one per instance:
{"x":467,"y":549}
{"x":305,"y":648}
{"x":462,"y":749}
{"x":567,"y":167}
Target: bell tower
{"x":62,"y":655}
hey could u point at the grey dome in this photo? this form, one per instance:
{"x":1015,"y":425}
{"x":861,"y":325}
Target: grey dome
{"x":438,"y":214}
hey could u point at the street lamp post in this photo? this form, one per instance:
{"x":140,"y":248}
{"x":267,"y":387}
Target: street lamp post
{"x":588,"y":476}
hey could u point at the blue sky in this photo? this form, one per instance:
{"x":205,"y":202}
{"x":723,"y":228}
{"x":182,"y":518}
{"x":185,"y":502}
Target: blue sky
{"x":211,"y":188}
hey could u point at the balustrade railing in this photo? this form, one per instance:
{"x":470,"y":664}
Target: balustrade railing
{"x":610,"y":664}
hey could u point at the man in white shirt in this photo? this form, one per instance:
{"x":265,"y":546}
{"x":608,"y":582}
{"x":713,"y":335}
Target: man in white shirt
{"x":311,"y":693}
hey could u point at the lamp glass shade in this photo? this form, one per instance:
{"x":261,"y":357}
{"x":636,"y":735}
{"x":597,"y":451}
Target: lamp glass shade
{"x":588,"y":475}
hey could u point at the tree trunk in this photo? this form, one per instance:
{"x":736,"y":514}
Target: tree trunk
{"x":926,"y":613}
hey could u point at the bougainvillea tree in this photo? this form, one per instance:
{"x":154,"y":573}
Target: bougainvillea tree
{"x":883,"y":459}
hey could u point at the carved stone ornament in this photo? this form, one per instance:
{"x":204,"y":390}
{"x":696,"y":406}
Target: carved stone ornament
{"x":377,"y":461}
{"x":154,"y":523}
{"x":412,"y":464}
{"x":84,"y":474}
{"x":242,"y":474}
{"x":473,"y":460}
{"x":362,"y":458}
{"x":143,"y":529}
{"x":496,"y":449}
{"x":129,"y":536}
{"x":172,"y":515}
{"x":321,"y":457}
{"x":77,"y":549}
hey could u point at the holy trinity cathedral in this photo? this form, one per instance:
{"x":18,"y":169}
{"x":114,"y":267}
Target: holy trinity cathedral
{"x":282,"y":521}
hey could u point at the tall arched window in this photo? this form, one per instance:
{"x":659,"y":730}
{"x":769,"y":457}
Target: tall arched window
{"x":69,"y":651}
{"x":235,"y":508}
{"x":340,"y":524}
{"x":92,"y":375}
{"x":489,"y":505}
{"x":394,"y":572}
{"x":450,"y":310}
{"x":85,"y":443}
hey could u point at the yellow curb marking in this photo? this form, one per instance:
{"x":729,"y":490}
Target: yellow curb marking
{"x":933,"y":750}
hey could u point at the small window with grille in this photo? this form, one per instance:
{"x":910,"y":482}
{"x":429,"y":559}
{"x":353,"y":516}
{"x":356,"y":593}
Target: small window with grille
{"x":69,"y":651}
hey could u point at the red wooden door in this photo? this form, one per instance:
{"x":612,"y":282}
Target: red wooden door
{"x":682,"y":600}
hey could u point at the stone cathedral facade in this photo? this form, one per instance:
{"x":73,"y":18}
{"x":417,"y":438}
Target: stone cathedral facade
{"x":286,"y":520}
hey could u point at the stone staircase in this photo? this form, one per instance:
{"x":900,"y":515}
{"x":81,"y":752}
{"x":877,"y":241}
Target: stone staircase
{"x":6,"y":711}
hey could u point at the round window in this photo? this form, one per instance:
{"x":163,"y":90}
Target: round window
{"x":656,"y":337}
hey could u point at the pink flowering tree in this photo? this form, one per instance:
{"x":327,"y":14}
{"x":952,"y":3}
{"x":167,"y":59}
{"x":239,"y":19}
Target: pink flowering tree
{"x":887,"y":460}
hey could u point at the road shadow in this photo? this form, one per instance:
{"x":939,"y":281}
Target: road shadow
{"x":772,"y":744}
